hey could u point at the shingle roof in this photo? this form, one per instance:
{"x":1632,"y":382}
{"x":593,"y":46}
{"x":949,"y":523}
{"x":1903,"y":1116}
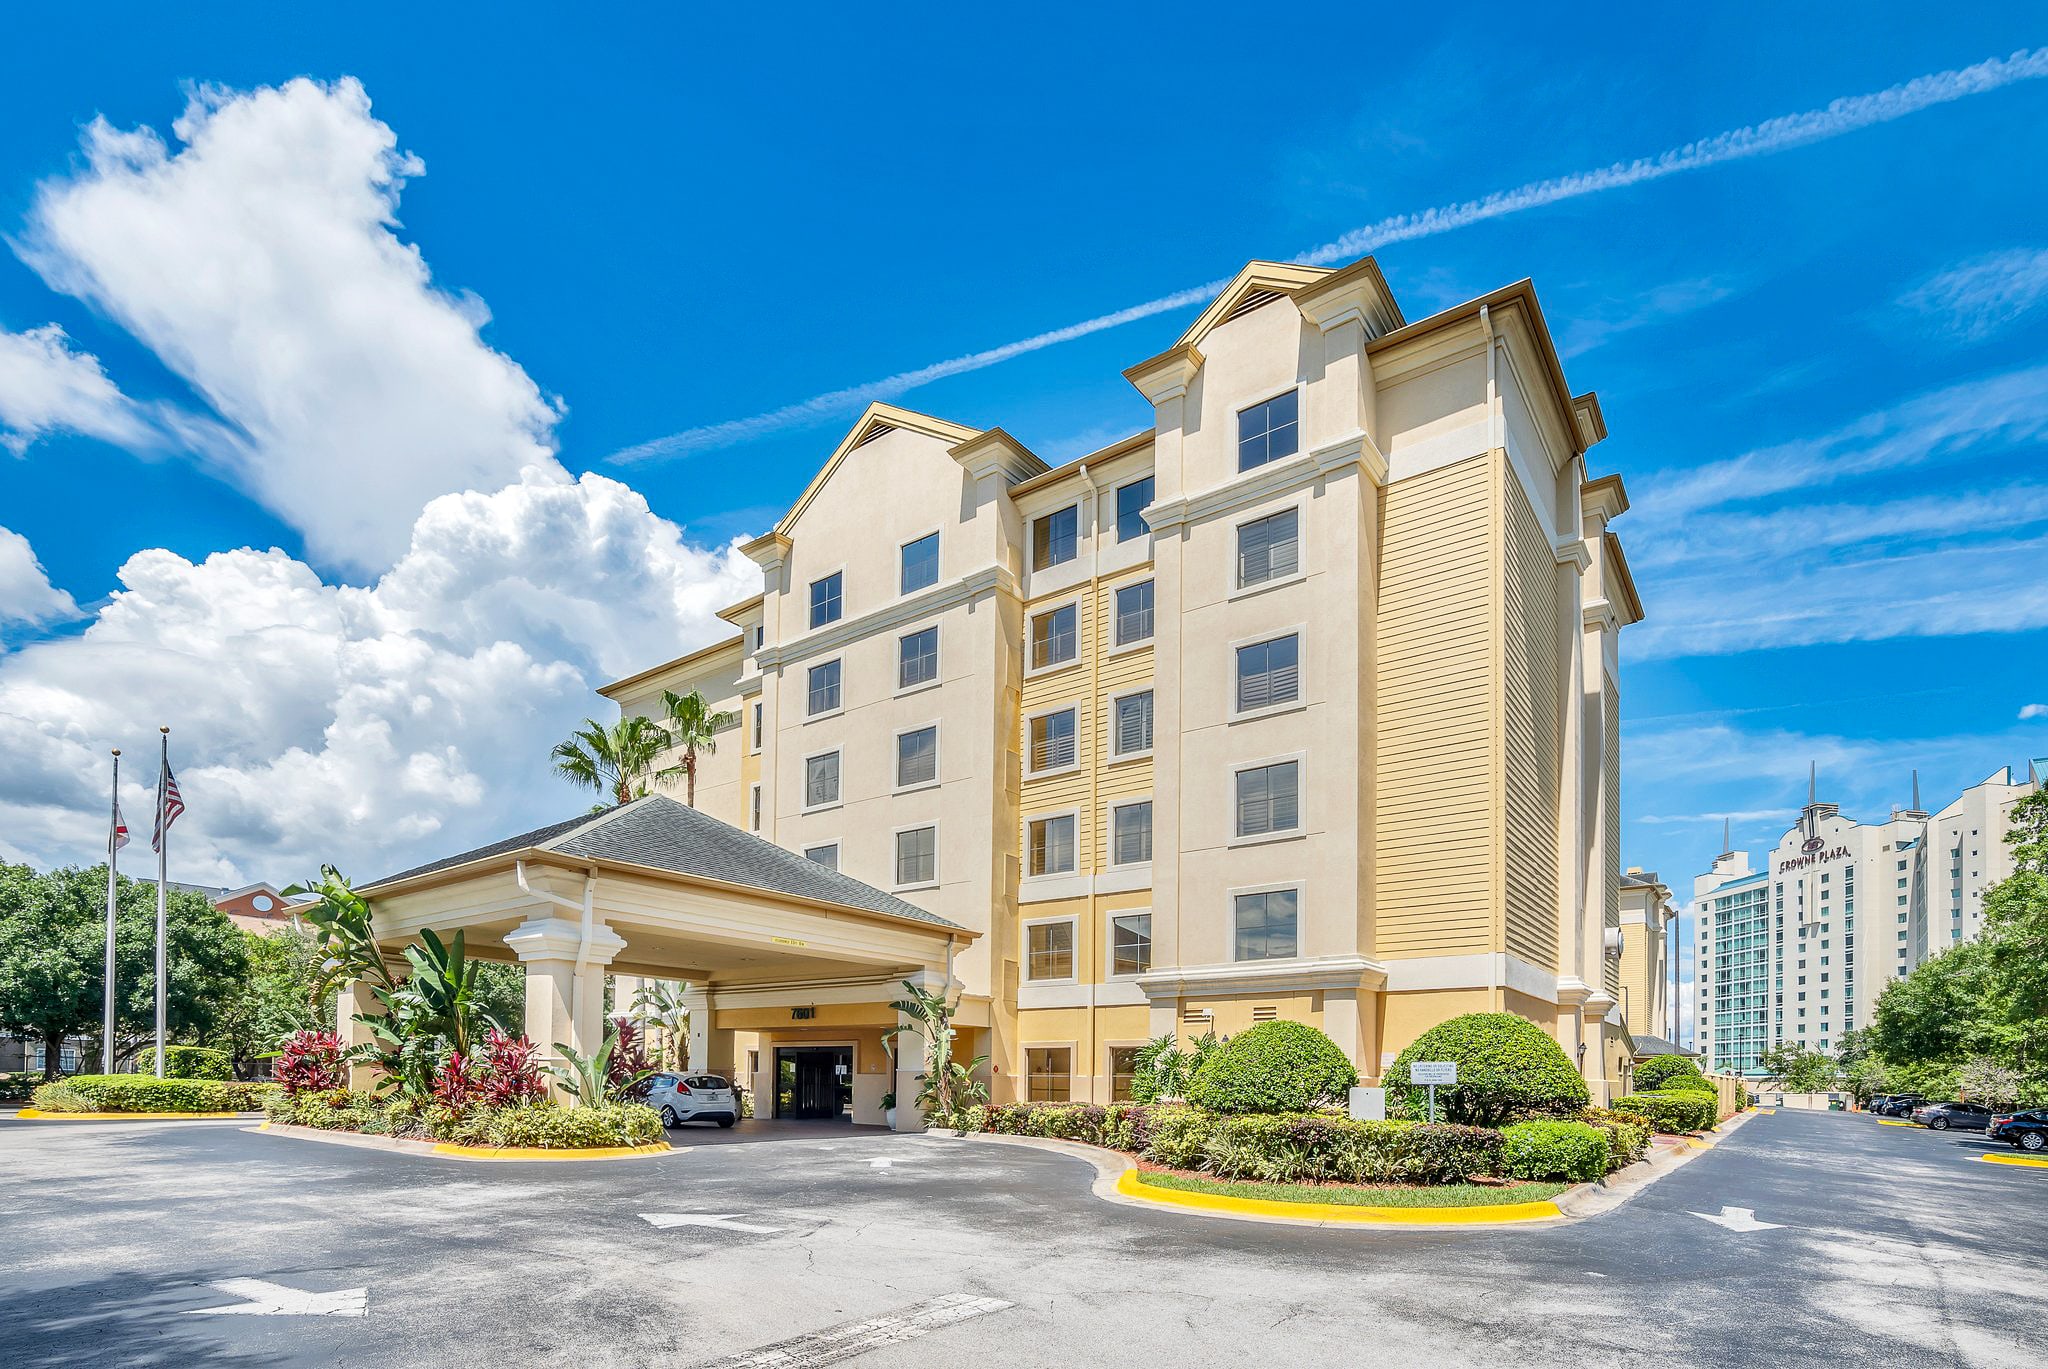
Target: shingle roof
{"x":1647,"y":1046}
{"x":662,"y":834}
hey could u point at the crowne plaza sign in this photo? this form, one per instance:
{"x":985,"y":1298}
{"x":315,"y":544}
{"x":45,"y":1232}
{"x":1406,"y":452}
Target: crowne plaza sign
{"x":1813,"y":852}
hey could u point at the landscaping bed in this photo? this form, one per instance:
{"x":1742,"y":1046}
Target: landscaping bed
{"x":528,"y":1124}
{"x":146,"y":1094}
{"x":1354,"y":1195}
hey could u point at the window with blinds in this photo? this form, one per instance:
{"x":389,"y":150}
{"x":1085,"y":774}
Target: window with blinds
{"x":917,"y":658}
{"x":917,"y":856}
{"x":1130,"y":943}
{"x":1269,"y":799}
{"x":1052,"y":741}
{"x":1052,"y":846}
{"x":917,"y":757}
{"x":757,"y":726}
{"x":1054,"y":636}
{"x":1134,"y":613}
{"x":1266,"y":924}
{"x":1051,"y":1073}
{"x":1052,"y":950}
{"x":827,"y":856}
{"x":821,"y":780}
{"x":1268,"y":548}
{"x":1269,"y":673}
{"x":1130,"y":834}
{"x":823,"y":694}
{"x":1134,"y":724}
{"x":1056,"y":538}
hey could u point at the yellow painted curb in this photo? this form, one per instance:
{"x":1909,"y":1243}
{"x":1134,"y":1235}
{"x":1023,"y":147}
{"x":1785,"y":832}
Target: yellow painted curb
{"x":1883,"y":1123}
{"x":38,"y":1115}
{"x":1767,"y":1112}
{"x":1698,"y":1144}
{"x":1131,"y":1186}
{"x":538,"y":1153}
{"x":2026,"y":1160}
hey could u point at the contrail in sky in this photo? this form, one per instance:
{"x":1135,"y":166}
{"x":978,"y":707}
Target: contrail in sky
{"x":1845,"y":115}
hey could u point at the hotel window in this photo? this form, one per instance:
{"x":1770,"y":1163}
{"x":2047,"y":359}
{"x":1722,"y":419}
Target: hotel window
{"x":1268,"y":548}
{"x":917,"y":756}
{"x":824,"y":688}
{"x":1130,"y":833}
{"x":1269,"y":673}
{"x":1052,"y":741}
{"x":826,"y":855}
{"x":1130,"y":943}
{"x":1266,"y":924}
{"x":917,"y":856}
{"x":754,"y":808}
{"x":1134,"y":613}
{"x":1269,"y":431}
{"x":821,"y":780}
{"x":1051,"y":1071}
{"x":1123,"y":1072}
{"x":1054,"y":636}
{"x":1131,"y":500}
{"x":1056,"y":538}
{"x":1268,"y":799}
{"x":760,"y":636}
{"x":921,"y":563}
{"x":1051,"y":951}
{"x":757,"y":725}
{"x":1052,"y":846}
{"x":917,"y":658}
{"x":826,"y":604}
{"x":1134,"y":724}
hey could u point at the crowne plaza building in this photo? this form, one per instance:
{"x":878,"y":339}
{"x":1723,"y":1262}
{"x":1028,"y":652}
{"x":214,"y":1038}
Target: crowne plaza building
{"x":1301,"y":702}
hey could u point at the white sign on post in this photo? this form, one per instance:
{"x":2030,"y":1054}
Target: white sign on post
{"x":1368,"y":1105}
{"x":1431,"y":1074}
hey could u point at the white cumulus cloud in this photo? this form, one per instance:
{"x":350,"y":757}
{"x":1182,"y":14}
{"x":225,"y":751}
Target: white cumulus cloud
{"x":48,"y":386}
{"x":372,"y":726}
{"x":258,"y":259}
{"x":26,"y":594}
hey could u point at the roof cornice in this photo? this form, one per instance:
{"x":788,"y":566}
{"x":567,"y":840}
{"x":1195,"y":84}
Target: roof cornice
{"x":995,"y":451}
{"x":1357,"y":292}
{"x":1168,"y":375}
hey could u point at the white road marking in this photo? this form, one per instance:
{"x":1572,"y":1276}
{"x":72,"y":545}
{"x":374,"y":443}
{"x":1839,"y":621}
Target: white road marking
{"x":722,"y":1220}
{"x":837,"y":1343}
{"x":880,"y":1162}
{"x":267,"y":1299}
{"x":1739,"y":1219}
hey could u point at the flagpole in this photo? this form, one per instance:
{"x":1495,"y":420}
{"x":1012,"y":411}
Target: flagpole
{"x":163,"y":846}
{"x":113,"y":859}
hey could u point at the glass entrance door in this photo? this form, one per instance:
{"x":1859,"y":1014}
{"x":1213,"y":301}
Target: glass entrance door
{"x":813,"y":1081}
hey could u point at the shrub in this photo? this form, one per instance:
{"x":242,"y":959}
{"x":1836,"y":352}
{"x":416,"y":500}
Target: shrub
{"x":140,"y":1093}
{"x":1507,"y":1067}
{"x":1672,"y":1110}
{"x":511,"y":1071}
{"x":1319,"y":1148}
{"x":545,"y":1126}
{"x":1554,"y":1150}
{"x":1272,"y":1067}
{"x":16,"y":1086}
{"x":311,"y":1061}
{"x":1177,"y":1137}
{"x":1660,"y":1070}
{"x":186,"y":1062}
{"x":1628,"y":1133}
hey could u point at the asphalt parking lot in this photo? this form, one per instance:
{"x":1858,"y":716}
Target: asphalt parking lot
{"x":206,"y":1243}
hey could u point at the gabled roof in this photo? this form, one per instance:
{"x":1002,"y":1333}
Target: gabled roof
{"x":657,"y":833}
{"x":1257,"y":283}
{"x":1647,"y":1046}
{"x":878,"y":419}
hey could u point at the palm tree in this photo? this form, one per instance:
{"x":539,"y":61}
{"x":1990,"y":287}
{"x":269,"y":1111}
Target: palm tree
{"x":693,"y":726}
{"x":616,"y":761}
{"x":660,"y":1001}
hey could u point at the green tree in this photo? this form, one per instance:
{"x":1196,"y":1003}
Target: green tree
{"x":661,"y":1002}
{"x":2016,"y":918}
{"x":501,"y":995}
{"x":1799,"y":1069}
{"x":275,"y":998}
{"x":616,"y":761}
{"x":1942,"y":1012}
{"x":693,"y":726}
{"x":52,"y":948}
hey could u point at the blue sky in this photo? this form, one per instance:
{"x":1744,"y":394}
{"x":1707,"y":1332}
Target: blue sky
{"x":1822,"y":367}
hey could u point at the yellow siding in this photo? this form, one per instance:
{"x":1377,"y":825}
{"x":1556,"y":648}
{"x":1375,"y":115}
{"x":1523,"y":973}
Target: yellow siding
{"x":1120,"y":673}
{"x":1067,"y":685}
{"x":1530,"y":741}
{"x":1436,"y":847}
{"x":1611,"y":781}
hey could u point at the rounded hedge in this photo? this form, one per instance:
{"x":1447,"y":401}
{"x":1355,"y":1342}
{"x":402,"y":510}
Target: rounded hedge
{"x":1272,"y":1067}
{"x":1554,"y":1150}
{"x":186,"y":1062}
{"x":1508,"y":1067}
{"x":1664,"y":1071}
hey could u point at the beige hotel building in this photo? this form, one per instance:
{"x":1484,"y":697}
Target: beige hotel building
{"x":1300,"y":703}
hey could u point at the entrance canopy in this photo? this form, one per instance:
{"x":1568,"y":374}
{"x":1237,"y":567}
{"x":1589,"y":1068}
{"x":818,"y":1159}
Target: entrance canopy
{"x":656,"y":889}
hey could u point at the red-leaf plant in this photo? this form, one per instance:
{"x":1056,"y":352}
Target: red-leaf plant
{"x":311,"y":1063}
{"x":510,"y":1074}
{"x":456,"y":1084}
{"x":630,"y":1065}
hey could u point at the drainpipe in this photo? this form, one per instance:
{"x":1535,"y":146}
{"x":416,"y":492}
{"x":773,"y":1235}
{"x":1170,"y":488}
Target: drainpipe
{"x":587,"y":909}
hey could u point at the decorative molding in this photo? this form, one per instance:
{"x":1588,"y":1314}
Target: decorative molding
{"x":1167,"y":376}
{"x":939,"y":598}
{"x":1353,"y":449}
{"x":1598,"y":613}
{"x":768,"y":551}
{"x":557,"y":938}
{"x":1270,"y":481}
{"x":1263,"y":976}
{"x":1572,"y":551}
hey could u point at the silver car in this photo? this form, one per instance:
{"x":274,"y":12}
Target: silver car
{"x":681,"y":1098}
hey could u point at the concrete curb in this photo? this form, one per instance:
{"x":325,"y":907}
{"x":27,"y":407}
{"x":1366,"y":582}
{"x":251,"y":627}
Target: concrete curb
{"x":449,"y":1151}
{"x":1592,"y":1200}
{"x":38,"y":1115}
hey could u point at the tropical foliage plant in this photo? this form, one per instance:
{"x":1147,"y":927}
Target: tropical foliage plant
{"x":617,"y":761}
{"x":661,"y":1002}
{"x":693,"y":726}
{"x":947,"y":1083}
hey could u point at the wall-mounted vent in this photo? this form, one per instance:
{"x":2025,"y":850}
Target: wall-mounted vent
{"x":1194,"y":1014}
{"x":874,"y":431}
{"x":1265,"y":1014}
{"x":1250,"y":302}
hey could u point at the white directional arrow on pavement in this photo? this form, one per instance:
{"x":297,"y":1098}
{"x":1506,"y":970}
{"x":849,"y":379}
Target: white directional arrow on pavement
{"x":1738,"y":1219}
{"x":722,"y":1220}
{"x":267,"y":1299}
{"x":880,"y":1162}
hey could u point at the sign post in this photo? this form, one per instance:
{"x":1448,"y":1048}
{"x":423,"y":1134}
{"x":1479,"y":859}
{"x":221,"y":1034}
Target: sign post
{"x":1430,"y":1073}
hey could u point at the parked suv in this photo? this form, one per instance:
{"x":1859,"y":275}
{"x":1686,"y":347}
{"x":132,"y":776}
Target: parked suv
{"x":681,"y":1098}
{"x":2027,"y":1130}
{"x":1956,"y":1116}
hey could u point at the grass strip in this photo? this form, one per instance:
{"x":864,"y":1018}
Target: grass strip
{"x":1443,"y":1195}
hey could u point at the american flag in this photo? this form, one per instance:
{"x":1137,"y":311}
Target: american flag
{"x":169,"y":803}
{"x":120,"y":837}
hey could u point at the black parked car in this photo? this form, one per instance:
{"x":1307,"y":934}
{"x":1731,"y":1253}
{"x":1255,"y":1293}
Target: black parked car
{"x":1954,"y":1117}
{"x":2028,"y":1129}
{"x":1896,"y":1104}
